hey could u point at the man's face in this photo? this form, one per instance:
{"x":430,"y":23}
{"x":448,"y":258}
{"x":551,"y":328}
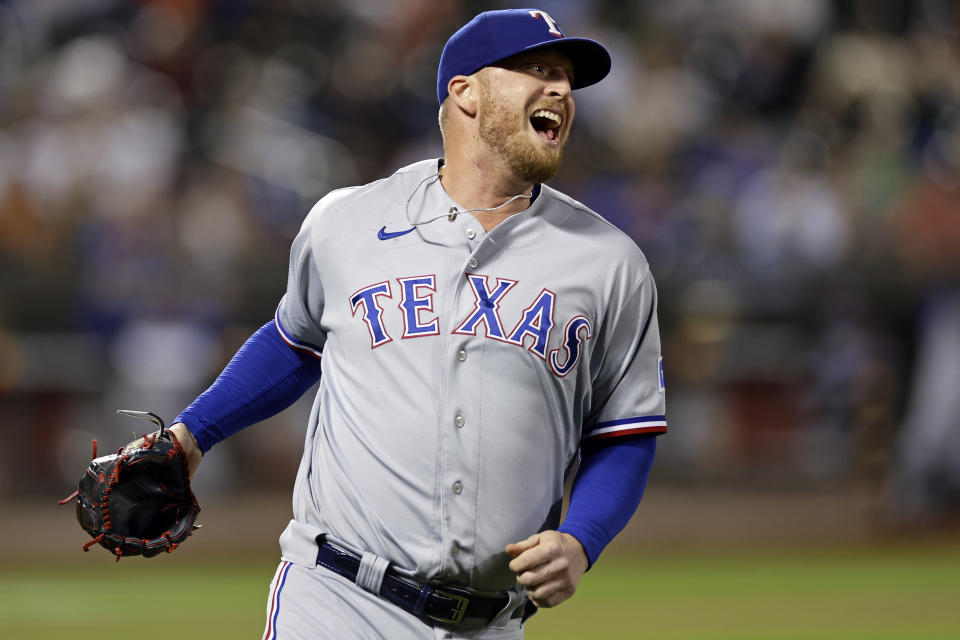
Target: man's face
{"x":525,"y":112}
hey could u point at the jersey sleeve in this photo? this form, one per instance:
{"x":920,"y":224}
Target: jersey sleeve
{"x":628,"y":390}
{"x":299,"y":312}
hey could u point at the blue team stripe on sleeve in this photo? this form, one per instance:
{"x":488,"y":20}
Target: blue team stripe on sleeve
{"x":627,"y":426}
{"x":293,"y":342}
{"x":614,"y":423}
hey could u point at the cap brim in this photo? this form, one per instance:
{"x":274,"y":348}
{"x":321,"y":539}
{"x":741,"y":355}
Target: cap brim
{"x":591,"y":61}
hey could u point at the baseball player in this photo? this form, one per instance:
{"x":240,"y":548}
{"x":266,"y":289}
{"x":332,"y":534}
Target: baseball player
{"x":475,"y":333}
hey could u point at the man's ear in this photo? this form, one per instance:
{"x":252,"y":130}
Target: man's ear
{"x":464,"y":92}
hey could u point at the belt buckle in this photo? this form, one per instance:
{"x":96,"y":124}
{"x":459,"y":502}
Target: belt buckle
{"x":458,"y":612}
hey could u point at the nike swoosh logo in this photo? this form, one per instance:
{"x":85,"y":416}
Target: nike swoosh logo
{"x":383,"y":234}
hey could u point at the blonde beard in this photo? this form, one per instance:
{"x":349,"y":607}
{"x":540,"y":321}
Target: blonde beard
{"x":498,"y":129}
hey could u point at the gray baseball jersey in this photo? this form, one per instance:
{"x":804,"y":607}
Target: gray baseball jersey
{"x":462,"y":370}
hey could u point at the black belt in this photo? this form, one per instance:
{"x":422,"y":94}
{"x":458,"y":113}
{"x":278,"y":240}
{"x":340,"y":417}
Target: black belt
{"x":440,"y":604}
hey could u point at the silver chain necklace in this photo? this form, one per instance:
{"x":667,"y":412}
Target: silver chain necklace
{"x":454,"y":212}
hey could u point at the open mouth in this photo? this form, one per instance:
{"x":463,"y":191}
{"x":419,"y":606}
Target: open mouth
{"x":546,"y":123}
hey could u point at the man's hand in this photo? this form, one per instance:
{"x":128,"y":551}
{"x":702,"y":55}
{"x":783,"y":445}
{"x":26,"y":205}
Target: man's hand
{"x":549,"y":564}
{"x":190,"y":447}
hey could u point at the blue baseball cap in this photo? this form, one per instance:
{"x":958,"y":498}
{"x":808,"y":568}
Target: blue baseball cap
{"x":494,"y":35}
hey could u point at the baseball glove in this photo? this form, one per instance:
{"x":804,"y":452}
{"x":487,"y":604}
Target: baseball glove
{"x":138,"y":501}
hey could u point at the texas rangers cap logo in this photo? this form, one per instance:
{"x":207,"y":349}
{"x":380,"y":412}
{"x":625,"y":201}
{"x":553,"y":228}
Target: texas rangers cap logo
{"x":495,"y":35}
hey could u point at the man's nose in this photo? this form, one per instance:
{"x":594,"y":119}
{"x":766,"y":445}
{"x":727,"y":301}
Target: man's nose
{"x":558,"y":84}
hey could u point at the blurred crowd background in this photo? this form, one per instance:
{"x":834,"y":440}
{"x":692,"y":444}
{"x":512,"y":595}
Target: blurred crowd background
{"x":791,"y":168}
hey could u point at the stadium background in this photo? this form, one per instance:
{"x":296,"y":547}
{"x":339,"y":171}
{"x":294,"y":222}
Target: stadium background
{"x":790,"y":167}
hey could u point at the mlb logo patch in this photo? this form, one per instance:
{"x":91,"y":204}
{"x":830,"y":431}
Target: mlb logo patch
{"x":660,"y":373}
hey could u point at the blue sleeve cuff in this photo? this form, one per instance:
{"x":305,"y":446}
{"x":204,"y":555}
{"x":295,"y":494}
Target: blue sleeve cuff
{"x":264,"y":377}
{"x":607,"y":491}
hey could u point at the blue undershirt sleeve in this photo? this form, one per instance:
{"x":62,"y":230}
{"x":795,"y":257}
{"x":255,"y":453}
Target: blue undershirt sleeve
{"x":264,"y":377}
{"x":607,"y":491}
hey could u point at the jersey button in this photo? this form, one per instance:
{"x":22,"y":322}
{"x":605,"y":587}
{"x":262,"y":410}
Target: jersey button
{"x":461,"y":355}
{"x":472,"y":263}
{"x":459,"y":421}
{"x":471,"y":234}
{"x":458,"y":487}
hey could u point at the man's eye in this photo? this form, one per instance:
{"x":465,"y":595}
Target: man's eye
{"x":539,"y":68}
